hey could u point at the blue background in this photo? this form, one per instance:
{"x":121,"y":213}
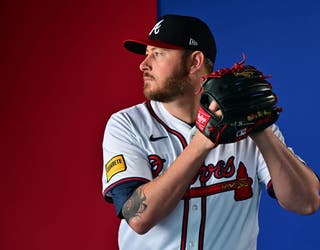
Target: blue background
{"x":281,"y":38}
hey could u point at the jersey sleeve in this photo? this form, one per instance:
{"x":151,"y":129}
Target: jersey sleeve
{"x":123,"y":159}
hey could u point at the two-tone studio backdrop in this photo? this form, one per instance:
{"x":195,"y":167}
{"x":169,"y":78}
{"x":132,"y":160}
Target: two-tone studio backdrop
{"x":282,"y":39}
{"x":64,"y":72}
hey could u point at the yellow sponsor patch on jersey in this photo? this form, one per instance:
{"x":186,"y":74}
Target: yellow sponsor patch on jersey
{"x":115,"y":166}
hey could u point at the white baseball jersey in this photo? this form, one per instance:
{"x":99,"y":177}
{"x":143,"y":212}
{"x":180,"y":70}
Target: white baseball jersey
{"x":219,"y":211}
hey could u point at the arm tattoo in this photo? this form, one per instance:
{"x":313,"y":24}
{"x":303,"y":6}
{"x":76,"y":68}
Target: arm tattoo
{"x":134,"y":205}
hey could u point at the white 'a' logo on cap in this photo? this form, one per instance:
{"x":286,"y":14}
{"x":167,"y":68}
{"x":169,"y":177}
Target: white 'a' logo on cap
{"x":156,"y":28}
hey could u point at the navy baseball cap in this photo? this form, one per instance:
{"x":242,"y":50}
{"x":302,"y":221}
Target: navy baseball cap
{"x":177,"y":32}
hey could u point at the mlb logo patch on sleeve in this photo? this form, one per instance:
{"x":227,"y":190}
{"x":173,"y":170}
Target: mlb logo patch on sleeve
{"x":115,"y":166}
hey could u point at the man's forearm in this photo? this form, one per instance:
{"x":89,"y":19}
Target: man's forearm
{"x":295,"y":184}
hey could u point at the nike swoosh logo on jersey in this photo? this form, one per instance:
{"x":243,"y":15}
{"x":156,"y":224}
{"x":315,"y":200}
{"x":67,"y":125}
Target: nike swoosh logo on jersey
{"x":152,"y":138}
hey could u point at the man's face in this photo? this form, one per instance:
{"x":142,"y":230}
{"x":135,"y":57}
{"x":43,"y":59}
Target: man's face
{"x":165,"y":74}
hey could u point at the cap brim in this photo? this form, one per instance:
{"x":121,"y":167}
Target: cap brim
{"x":139,"y":46}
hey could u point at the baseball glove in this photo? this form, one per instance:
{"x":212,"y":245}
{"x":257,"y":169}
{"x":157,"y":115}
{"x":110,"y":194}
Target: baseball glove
{"x":245,"y":99}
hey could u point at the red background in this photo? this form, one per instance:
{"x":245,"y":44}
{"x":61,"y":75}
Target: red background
{"x":63,"y":72}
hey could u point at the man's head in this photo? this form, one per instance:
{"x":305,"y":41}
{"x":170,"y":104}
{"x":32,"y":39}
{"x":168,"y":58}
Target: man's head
{"x":178,"y":52}
{"x":178,"y":32}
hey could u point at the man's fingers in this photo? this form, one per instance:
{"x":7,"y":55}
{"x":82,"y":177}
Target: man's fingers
{"x":215,"y":109}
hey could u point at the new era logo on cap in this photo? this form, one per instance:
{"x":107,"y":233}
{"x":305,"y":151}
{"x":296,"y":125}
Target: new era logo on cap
{"x":193,"y":42}
{"x":177,"y":32}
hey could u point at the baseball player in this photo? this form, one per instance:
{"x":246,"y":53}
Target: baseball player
{"x":184,"y":169}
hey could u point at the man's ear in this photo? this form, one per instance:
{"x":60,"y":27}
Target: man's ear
{"x":196,"y":61}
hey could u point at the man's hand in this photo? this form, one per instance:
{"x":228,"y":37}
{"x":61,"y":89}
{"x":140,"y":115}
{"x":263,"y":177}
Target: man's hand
{"x":235,"y":103}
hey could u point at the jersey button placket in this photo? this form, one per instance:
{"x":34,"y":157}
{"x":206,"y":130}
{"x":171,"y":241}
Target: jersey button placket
{"x":193,"y":224}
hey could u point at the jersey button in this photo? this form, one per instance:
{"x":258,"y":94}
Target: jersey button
{"x":191,"y":244}
{"x":194,"y":207}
